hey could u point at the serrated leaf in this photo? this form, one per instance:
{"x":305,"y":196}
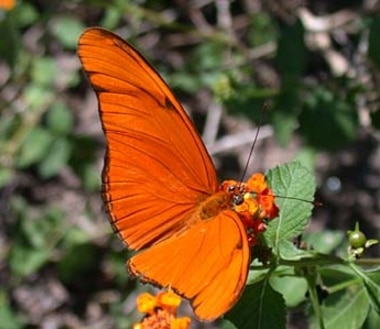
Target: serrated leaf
{"x":260,"y":307}
{"x":290,"y":181}
{"x":344,"y":309}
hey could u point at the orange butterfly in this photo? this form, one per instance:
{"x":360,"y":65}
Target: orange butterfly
{"x":160,"y":186}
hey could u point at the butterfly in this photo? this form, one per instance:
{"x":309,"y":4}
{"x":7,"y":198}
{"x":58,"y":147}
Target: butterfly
{"x":160,"y":188}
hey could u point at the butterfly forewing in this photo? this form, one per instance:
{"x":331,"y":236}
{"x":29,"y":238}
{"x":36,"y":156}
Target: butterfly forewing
{"x":156,"y":167}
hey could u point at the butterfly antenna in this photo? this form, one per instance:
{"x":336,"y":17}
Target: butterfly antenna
{"x":264,"y":110}
{"x":261,"y":120}
{"x":313,"y":202}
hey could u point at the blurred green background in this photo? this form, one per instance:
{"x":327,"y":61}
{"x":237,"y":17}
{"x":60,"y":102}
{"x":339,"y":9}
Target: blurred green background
{"x":315,"y":64}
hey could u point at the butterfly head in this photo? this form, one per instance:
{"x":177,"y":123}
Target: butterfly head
{"x":254,"y":202}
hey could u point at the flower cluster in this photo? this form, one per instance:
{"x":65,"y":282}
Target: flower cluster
{"x":257,"y":205}
{"x":160,"y":311}
{"x":7,"y":4}
{"x":257,"y":185}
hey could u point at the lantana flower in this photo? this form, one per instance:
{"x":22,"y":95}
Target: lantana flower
{"x":7,"y":4}
{"x":257,"y":206}
{"x":160,"y":312}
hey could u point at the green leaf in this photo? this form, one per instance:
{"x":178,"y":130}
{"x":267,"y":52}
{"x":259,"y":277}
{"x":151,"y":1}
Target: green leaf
{"x":262,"y":29}
{"x":35,"y":232}
{"x":86,"y":258}
{"x":10,"y":41}
{"x":324,"y":242}
{"x":9,"y":126}
{"x":291,"y":46}
{"x":91,"y":178}
{"x":290,"y":252}
{"x":60,"y":119}
{"x":375,"y":118}
{"x":6,"y":175}
{"x":307,"y":157}
{"x":58,"y":156}
{"x":9,"y":320}
{"x":42,"y":228}
{"x":373,"y":40}
{"x":112,"y":16}
{"x":260,"y":307}
{"x":36,"y":96}
{"x":337,"y":277}
{"x":225,"y":324}
{"x":67,"y":30}
{"x":373,"y":290}
{"x":249,"y":101}
{"x":25,"y":260}
{"x":284,"y":123}
{"x":371,"y":280}
{"x":328,"y":120}
{"x":44,"y":71}
{"x":75,"y":235}
{"x":292,"y":288}
{"x":344,"y":309}
{"x":34,"y":241}
{"x":372,"y":321}
{"x":290,"y":181}
{"x":34,"y":148}
{"x":24,"y":15}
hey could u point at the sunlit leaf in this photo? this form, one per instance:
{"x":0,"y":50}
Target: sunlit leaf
{"x":290,"y":181}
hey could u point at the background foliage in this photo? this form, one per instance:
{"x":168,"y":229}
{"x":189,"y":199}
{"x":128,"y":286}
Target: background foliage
{"x":316,"y":65}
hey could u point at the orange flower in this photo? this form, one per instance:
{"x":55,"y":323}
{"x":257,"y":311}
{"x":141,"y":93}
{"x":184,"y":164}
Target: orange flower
{"x":256,"y":183}
{"x":264,"y":196}
{"x":249,"y":205}
{"x":146,"y":303}
{"x":268,"y":208}
{"x":254,"y":203}
{"x":257,"y":207}
{"x":160,"y":311}
{"x":7,"y":4}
